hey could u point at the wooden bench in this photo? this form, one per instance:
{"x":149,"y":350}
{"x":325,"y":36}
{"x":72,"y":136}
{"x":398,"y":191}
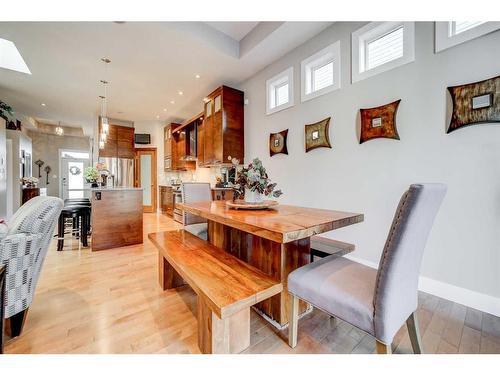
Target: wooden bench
{"x":226,"y":288}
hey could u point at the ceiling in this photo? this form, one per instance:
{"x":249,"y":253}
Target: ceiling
{"x":150,"y":63}
{"x":236,"y":30}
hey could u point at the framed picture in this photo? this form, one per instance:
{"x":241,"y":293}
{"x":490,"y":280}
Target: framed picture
{"x":317,"y":135}
{"x":379,"y":122}
{"x":475,"y":103}
{"x":277,"y":143}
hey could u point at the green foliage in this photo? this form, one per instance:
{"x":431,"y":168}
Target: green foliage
{"x":4,"y":107}
{"x":255,"y":178}
{"x":91,"y":174}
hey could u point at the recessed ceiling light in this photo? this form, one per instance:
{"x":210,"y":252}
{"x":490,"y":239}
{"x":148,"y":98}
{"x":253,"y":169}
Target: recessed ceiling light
{"x":157,"y":116}
{"x":119,"y":112}
{"x":197,"y":76}
{"x":181,"y":93}
{"x":43,"y":104}
{"x":172,"y":102}
{"x":164,"y":110}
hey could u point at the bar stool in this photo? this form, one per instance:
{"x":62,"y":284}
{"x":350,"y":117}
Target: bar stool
{"x":74,"y":212}
{"x":78,"y":202}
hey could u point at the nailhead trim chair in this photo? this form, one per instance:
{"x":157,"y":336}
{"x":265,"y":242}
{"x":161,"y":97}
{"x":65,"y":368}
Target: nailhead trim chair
{"x":195,"y":192}
{"x":22,"y":250}
{"x":377,"y":302}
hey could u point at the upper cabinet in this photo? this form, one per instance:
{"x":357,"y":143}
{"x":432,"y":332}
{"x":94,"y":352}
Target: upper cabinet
{"x":119,"y":142}
{"x":212,"y":137}
{"x":223,"y":127}
{"x":176,"y":148}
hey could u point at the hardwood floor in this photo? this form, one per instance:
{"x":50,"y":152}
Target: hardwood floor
{"x":110,"y":302}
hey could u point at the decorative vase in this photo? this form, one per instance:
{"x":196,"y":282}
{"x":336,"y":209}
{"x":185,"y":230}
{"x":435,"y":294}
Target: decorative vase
{"x":94,"y":185}
{"x":253,"y":196}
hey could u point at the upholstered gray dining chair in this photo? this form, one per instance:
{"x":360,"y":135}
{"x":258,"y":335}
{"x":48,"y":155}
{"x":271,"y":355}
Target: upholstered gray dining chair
{"x":23,"y":247}
{"x":195,"y":192}
{"x":377,"y":302}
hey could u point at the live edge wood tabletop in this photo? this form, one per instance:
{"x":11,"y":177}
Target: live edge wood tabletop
{"x":275,"y":241}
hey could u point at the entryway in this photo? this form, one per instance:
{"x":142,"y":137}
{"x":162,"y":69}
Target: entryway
{"x":73,"y":164}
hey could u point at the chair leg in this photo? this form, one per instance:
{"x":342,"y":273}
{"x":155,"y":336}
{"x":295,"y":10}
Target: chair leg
{"x":383,"y":348}
{"x":15,"y":323}
{"x":293,"y":322}
{"x":413,"y":331}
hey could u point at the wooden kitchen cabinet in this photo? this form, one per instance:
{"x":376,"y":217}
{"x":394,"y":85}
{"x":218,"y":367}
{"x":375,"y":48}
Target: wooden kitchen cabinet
{"x":167,"y":200}
{"x":119,"y":142}
{"x":223,"y":127}
{"x":175,"y":150}
{"x":125,"y":142}
{"x":167,"y":142}
{"x":219,"y":194}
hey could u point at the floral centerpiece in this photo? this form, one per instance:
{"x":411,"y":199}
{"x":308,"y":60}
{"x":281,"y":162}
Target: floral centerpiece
{"x":91,"y":175}
{"x":253,"y":182}
{"x":29,"y":182}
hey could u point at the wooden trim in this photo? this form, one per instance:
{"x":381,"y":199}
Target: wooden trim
{"x":154,"y":173}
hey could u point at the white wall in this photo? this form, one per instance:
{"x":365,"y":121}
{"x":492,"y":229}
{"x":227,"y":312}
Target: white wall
{"x":3,"y":169}
{"x":463,"y":249}
{"x":19,"y":142}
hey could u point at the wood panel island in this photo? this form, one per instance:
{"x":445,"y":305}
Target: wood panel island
{"x":275,"y":241}
{"x":116,"y":217}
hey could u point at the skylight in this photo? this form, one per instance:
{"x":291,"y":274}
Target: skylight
{"x":10,"y":58}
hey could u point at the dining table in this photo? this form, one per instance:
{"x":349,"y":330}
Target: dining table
{"x":276,"y":240}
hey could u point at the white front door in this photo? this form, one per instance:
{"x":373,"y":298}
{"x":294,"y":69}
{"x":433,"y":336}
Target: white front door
{"x":72,"y":181}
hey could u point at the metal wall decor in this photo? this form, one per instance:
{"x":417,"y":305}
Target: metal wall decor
{"x":39,"y":162}
{"x":277,"y":143}
{"x":317,"y":135}
{"x":47,"y":170}
{"x":379,"y":122}
{"x":475,"y":103}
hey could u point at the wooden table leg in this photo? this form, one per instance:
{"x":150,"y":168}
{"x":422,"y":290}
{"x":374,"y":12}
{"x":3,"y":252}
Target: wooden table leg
{"x":222,"y":336}
{"x":168,"y":277}
{"x":275,"y":259}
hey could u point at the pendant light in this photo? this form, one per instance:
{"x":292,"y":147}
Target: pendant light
{"x":59,"y":130}
{"x":104,"y":108}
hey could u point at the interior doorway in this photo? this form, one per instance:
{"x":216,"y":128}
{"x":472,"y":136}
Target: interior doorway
{"x":72,"y":166}
{"x":145,"y":177}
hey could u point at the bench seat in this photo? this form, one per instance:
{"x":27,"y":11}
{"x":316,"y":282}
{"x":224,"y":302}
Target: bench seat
{"x":323,"y":246}
{"x":226,"y":288}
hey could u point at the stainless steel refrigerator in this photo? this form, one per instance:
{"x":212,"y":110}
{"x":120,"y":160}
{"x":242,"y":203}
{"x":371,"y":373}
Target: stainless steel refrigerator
{"x":121,"y":170}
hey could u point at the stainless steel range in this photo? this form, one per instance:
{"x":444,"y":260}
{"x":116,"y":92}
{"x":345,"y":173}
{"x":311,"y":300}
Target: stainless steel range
{"x":178,"y":213}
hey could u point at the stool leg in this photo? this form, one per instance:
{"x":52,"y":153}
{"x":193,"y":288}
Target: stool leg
{"x":84,"y":230}
{"x":76,"y":220}
{"x":60,"y":233}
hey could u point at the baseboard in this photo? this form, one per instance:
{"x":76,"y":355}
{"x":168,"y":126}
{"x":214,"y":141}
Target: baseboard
{"x":466,"y":297}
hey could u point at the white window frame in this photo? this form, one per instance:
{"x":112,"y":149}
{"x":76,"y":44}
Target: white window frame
{"x":323,"y":57}
{"x":372,"y":31}
{"x":445,"y":40}
{"x":280,"y":79}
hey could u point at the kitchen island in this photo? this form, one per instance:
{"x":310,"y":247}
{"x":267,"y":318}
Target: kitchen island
{"x":116,"y":217}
